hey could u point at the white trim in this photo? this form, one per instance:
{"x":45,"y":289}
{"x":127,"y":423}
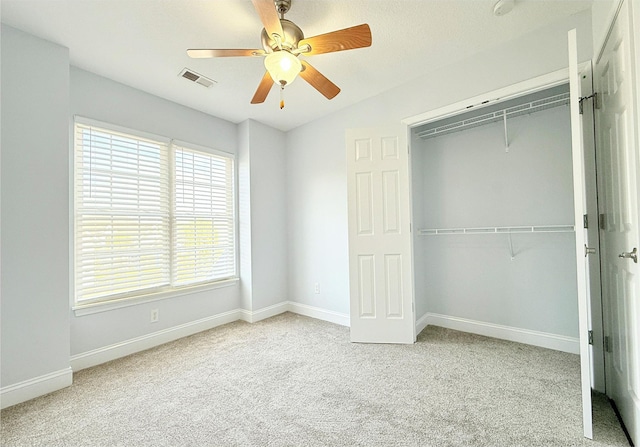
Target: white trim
{"x":264,"y":313}
{"x":526,"y":336}
{"x":320,"y":314}
{"x":32,"y":388}
{"x":512,"y":91}
{"x":533,"y":85}
{"x":104,"y":306}
{"x":128,"y":347}
{"x":422,"y":323}
{"x":122,"y":349}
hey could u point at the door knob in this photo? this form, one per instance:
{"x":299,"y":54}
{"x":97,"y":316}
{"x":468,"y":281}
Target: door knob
{"x":630,"y":255}
{"x":589,"y":251}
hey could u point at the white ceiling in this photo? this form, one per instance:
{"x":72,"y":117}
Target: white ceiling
{"x":142,"y":43}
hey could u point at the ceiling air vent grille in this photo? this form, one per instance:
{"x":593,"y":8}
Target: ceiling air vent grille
{"x":197,"y":78}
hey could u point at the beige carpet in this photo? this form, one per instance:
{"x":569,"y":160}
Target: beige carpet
{"x":295,"y":381}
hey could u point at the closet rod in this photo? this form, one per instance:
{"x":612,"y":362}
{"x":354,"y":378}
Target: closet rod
{"x":497,"y":230}
{"x":509,"y":112}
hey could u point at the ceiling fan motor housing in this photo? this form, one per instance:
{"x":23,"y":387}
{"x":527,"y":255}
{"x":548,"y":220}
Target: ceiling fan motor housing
{"x":292,"y":35}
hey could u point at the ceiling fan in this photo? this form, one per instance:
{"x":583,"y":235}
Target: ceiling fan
{"x":283,"y":42}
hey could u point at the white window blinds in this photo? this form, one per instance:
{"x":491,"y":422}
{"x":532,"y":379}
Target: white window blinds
{"x":203,"y":217}
{"x":149,"y":216}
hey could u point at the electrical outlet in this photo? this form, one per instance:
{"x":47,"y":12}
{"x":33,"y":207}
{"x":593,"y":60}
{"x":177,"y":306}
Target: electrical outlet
{"x":155,"y":315}
{"x":316,"y":288}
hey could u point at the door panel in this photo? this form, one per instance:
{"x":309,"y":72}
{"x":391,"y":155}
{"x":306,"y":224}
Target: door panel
{"x":617,"y":138}
{"x":393,"y":281}
{"x":391,"y":202}
{"x":379,"y":236}
{"x":579,"y":202}
{"x":364,"y":204}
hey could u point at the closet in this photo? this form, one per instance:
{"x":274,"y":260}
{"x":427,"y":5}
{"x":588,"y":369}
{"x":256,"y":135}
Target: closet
{"x":464,"y":217}
{"x":492,"y":205}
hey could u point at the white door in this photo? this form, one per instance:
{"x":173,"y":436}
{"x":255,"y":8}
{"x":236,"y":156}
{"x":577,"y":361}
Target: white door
{"x":617,"y":148}
{"x":380,"y":259}
{"x":579,"y":202}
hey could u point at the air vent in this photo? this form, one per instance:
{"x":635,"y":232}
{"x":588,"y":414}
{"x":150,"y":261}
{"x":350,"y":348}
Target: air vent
{"x":197,"y":78}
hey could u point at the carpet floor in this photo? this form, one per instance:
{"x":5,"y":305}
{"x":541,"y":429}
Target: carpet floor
{"x":295,"y":381}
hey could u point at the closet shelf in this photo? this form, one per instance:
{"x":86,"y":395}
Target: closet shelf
{"x":497,"y":230}
{"x":511,"y":112}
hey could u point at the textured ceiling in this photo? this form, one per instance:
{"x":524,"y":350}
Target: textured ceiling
{"x":142,"y":43}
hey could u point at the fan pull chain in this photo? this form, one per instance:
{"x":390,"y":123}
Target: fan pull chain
{"x":281,"y":96}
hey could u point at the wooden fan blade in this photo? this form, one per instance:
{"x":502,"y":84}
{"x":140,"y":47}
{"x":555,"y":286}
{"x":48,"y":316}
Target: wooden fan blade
{"x":269,"y":17}
{"x":263,"y":89}
{"x":203,"y":53}
{"x":345,"y":39}
{"x":318,"y":81}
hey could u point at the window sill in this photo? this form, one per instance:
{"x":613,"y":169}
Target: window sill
{"x":93,"y":308}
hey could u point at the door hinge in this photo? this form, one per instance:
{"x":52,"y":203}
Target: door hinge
{"x":596,"y":101}
{"x":585,"y":221}
{"x":607,"y":344}
{"x":590,"y":337}
{"x":602,"y":222}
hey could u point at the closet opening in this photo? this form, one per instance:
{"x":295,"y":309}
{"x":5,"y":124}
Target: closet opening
{"x":494,"y":239}
{"x":493,"y":217}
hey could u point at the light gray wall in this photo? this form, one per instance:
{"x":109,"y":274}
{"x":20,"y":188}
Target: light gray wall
{"x":102,"y":99}
{"x":99,"y":98}
{"x":244,"y":214}
{"x":263,"y":222}
{"x":35,"y":207}
{"x":316,"y":162}
{"x":268,"y":215}
{"x":469,"y":180}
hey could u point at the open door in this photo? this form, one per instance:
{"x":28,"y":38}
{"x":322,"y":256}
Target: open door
{"x":582,"y":249}
{"x":380,"y":256}
{"x":619,"y":201}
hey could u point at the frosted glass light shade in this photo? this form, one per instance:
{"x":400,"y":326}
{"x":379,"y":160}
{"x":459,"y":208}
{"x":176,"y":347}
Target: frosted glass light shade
{"x":282,"y":66}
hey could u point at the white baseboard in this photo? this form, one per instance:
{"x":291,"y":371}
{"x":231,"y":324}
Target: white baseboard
{"x":320,"y":314}
{"x":122,"y":349}
{"x":296,"y":308}
{"x":32,"y":388}
{"x":264,"y":313}
{"x":526,"y":336}
{"x":115,"y":351}
{"x":422,"y":323}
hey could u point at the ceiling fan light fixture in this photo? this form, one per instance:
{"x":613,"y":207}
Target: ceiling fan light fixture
{"x":283,"y":67}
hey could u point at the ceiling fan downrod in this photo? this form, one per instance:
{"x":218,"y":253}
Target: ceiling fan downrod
{"x":282,"y":6}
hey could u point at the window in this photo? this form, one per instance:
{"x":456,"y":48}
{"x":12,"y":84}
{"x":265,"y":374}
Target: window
{"x":151,"y":215}
{"x":203,"y":217}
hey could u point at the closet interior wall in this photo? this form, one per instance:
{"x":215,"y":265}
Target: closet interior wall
{"x":477,"y":181}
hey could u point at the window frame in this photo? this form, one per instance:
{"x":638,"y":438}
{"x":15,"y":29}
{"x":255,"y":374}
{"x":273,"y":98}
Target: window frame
{"x":114,"y":301}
